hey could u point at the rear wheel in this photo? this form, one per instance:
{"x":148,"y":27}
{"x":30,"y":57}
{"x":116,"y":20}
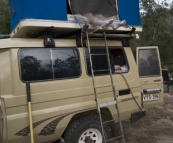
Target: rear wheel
{"x":86,"y":129}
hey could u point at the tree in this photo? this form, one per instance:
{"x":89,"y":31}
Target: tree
{"x":157,"y":23}
{"x":4,"y":17}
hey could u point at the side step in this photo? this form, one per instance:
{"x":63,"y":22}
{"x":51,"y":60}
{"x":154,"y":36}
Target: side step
{"x":108,"y":104}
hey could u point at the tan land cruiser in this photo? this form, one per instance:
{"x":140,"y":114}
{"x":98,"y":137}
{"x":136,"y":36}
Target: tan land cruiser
{"x":63,"y":103}
{"x":47,"y":88}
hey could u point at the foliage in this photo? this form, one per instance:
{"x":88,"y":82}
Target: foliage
{"x":4,"y":17}
{"x":157,"y":22}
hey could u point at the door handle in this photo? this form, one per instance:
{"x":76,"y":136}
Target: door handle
{"x":157,"y":80}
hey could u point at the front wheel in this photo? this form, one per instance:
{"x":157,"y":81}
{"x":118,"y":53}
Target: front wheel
{"x":86,"y":129}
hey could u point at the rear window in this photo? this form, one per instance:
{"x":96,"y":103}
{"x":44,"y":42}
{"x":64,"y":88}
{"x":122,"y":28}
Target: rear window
{"x":148,"y":62}
{"x":47,"y":64}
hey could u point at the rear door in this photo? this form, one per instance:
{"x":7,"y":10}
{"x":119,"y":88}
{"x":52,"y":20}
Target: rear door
{"x":149,"y":69}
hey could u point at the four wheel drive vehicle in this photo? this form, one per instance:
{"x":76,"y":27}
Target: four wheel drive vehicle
{"x":61,"y":88}
{"x":57,"y":60}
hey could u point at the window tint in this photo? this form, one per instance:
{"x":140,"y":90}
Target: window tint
{"x":148,"y":62}
{"x":45,"y":64}
{"x":117,"y":59}
{"x":65,"y":63}
{"x":99,"y":61}
{"x":35,"y":64}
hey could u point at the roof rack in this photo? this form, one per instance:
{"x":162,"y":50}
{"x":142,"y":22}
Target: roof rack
{"x":30,"y":28}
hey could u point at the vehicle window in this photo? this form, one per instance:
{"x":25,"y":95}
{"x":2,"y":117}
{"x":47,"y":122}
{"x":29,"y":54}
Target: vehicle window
{"x":35,"y":64}
{"x":46,"y":64}
{"x":119,"y":60}
{"x":66,"y":63}
{"x":148,"y":62}
{"x":100,"y":64}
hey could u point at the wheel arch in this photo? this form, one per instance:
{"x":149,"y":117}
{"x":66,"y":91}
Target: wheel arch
{"x":106,"y":114}
{"x":86,"y":126}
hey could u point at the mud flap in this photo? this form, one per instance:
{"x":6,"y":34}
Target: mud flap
{"x":137,"y":115}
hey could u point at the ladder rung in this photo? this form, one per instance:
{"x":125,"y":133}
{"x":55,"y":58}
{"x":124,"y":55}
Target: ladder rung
{"x":108,"y":103}
{"x":109,"y":85}
{"x":97,"y":54}
{"x":110,"y":121}
{"x":114,"y":138}
{"x":101,"y":70}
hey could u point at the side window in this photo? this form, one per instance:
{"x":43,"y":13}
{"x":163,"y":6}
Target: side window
{"x":99,"y":66}
{"x":66,"y":63}
{"x":117,"y":61}
{"x":34,"y":64}
{"x":148,"y":62}
{"x":46,"y":64}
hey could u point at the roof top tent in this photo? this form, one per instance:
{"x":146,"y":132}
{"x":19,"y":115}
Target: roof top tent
{"x":30,"y":17}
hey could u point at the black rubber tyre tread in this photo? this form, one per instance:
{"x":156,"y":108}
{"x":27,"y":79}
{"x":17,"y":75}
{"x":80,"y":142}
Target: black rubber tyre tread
{"x":116,"y":131}
{"x":73,"y":131}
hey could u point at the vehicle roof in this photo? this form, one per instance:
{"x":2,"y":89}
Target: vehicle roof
{"x":33,"y":42}
{"x":38,"y":42}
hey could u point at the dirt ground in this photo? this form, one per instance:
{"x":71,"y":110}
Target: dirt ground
{"x":155,"y":127}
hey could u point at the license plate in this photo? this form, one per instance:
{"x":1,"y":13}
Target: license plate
{"x":151,"y":97}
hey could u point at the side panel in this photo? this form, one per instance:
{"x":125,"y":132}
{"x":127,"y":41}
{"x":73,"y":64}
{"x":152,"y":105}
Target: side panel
{"x":5,"y":90}
{"x":3,"y":122}
{"x":123,"y":81}
{"x":129,"y":81}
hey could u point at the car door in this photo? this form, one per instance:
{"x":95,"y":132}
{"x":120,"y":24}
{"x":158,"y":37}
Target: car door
{"x":149,"y":69}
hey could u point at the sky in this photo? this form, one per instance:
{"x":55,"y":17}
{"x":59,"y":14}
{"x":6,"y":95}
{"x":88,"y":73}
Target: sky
{"x":169,"y":1}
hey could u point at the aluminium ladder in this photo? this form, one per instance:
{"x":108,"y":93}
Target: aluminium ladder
{"x":114,"y":102}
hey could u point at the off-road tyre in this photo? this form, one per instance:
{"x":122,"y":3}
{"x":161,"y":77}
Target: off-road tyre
{"x":77,"y":128}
